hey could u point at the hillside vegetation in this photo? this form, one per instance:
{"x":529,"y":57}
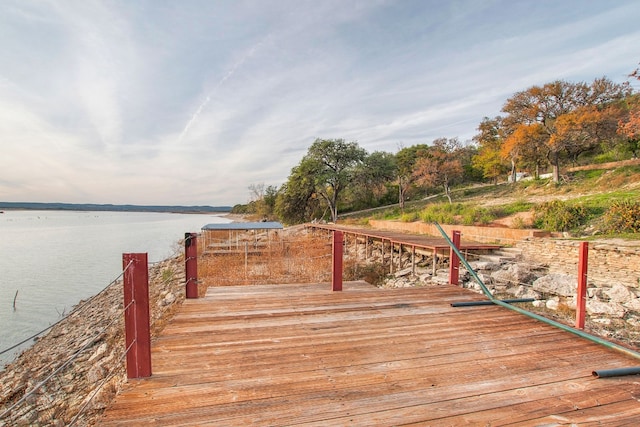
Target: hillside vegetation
{"x":598,"y":202}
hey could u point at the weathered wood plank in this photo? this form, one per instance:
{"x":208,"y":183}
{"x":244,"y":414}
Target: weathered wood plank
{"x":294,"y":354}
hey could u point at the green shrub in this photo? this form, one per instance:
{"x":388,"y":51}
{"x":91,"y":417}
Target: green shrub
{"x":515,"y":207}
{"x":409,"y":216}
{"x":559,"y":216}
{"x":473,"y":216}
{"x":623,"y":217}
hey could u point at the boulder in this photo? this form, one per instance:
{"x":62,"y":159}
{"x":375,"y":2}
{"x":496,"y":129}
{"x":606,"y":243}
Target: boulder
{"x":610,"y":309}
{"x":553,"y":303}
{"x":620,"y":293}
{"x":484,"y":265}
{"x":556,"y":284}
{"x":513,"y":275}
{"x":440,"y":279}
{"x":633,"y":305}
{"x":403,"y":272}
{"x":524,"y":292}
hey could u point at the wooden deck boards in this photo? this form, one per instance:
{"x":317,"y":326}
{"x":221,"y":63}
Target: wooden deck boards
{"x":417,"y":240}
{"x":302,"y":355}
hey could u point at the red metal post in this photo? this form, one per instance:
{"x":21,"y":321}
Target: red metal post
{"x":336,"y":264}
{"x":454,"y":261}
{"x":191,"y":264}
{"x":136,"y":315}
{"x":581,"y":298}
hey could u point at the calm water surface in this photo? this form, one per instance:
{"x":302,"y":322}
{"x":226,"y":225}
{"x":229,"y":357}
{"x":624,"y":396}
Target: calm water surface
{"x":54,"y":259}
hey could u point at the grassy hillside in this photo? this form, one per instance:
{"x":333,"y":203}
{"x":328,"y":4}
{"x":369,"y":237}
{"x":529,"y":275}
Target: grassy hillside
{"x":599,"y":202}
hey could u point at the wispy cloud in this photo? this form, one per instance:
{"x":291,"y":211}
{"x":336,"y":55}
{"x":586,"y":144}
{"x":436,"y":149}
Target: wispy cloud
{"x":191,"y":102}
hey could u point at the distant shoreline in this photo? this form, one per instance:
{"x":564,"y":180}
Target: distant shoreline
{"x":92,"y":207}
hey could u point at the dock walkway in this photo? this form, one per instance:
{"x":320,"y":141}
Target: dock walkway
{"x":284,"y":355}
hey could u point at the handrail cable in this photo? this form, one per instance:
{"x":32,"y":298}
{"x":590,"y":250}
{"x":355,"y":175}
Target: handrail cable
{"x":74,"y":312}
{"x":67,"y":362}
{"x":102,"y":383}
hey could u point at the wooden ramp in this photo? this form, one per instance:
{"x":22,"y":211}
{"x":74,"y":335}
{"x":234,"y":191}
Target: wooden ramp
{"x":283,"y":355}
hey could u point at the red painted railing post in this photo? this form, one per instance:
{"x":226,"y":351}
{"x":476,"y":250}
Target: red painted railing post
{"x":336,"y":261}
{"x":454,"y":261}
{"x":191,"y":264}
{"x":136,"y":315}
{"x":581,"y":298}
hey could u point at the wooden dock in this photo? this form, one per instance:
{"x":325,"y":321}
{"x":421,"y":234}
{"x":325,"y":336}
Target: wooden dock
{"x":283,"y":355}
{"x":429,"y":243}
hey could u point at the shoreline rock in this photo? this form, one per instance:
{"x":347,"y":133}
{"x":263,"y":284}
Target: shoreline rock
{"x":94,"y":333}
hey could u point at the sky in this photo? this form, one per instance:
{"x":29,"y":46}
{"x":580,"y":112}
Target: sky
{"x":191,"y":102}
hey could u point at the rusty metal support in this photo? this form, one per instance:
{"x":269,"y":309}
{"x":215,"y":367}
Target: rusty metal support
{"x":191,"y":264}
{"x":136,"y":315}
{"x":336,"y":264}
{"x":581,"y":298}
{"x":454,"y":260}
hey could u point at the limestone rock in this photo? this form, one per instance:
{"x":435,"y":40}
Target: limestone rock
{"x":633,"y":305}
{"x":607,"y":308}
{"x":620,"y":293}
{"x":553,"y":303}
{"x":484,"y":265}
{"x":403,"y":272}
{"x":556,"y":284}
{"x":513,"y":275}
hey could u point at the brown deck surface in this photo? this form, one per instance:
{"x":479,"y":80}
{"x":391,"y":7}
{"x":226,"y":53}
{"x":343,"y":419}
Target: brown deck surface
{"x":418,"y":240}
{"x":301,"y":355}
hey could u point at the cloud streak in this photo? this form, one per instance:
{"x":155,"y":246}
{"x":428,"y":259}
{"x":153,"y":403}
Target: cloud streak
{"x":226,"y":77}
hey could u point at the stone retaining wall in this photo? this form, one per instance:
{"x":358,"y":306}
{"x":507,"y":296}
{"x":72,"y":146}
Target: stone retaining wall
{"x":609,"y":262}
{"x":478,"y":234}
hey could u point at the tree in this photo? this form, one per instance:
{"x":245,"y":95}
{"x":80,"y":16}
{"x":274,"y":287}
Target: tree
{"x":333,"y":162}
{"x":584,"y":129}
{"x":297,"y":201}
{"x":439,"y":166}
{"x":629,"y":125}
{"x":543,"y":105}
{"x":405,"y":163}
{"x":372,"y":179}
{"x":526,"y":145}
{"x":490,"y":141}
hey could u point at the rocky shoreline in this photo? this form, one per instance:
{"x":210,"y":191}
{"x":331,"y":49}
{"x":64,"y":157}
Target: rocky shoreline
{"x":76,"y":392}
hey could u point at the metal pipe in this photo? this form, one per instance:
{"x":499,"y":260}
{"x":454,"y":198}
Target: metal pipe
{"x":607,"y":373}
{"x":474,"y":303}
{"x":592,"y":338}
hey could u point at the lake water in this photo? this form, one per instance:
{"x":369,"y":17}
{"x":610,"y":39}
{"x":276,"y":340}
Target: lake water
{"x":54,"y":259}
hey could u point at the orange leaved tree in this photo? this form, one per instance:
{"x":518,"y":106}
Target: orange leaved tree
{"x":439,"y":165}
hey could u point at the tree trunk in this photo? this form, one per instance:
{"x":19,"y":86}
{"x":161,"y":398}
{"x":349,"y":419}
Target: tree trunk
{"x":513,"y":171}
{"x":556,"y":167}
{"x":447,"y":192}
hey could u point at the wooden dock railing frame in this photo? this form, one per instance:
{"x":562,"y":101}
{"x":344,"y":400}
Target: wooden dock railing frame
{"x":454,"y":261}
{"x":136,"y":315}
{"x":581,"y":294}
{"x":191,"y":264}
{"x":336,"y":261}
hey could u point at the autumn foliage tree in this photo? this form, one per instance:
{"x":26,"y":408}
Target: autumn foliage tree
{"x":490,"y":140}
{"x":629,"y":124}
{"x":439,"y":165}
{"x":544,"y":105}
